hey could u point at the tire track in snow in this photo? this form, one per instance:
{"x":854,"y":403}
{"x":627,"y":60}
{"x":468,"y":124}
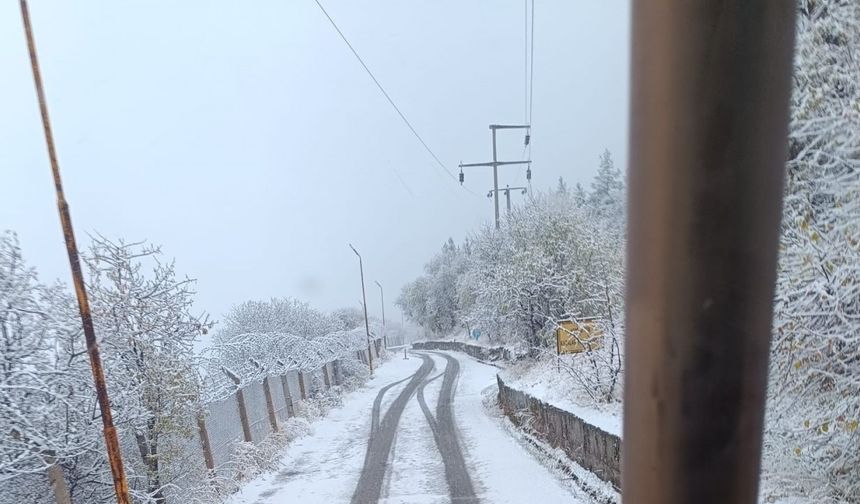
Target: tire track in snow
{"x":425,"y":408}
{"x":382,"y":437}
{"x":377,"y":404}
{"x":447,"y":437}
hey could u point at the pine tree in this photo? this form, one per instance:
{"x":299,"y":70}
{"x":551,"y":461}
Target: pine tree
{"x":579,"y":195}
{"x":607,"y":186}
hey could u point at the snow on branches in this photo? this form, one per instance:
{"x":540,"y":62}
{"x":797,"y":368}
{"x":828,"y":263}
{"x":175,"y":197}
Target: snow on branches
{"x":45,"y":405}
{"x":144,"y":321}
{"x":250,"y":357}
{"x":814,"y":393}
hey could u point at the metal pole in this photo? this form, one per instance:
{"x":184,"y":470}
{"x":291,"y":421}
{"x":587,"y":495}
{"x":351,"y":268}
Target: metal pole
{"x":709,"y":114}
{"x":364,"y":305}
{"x":508,"y":197}
{"x":495,"y":178}
{"x":382,"y":297}
{"x":114,"y":454}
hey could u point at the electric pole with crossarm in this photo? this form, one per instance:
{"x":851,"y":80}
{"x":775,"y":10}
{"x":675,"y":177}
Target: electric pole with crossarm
{"x":495,"y":163}
{"x":507,"y":190}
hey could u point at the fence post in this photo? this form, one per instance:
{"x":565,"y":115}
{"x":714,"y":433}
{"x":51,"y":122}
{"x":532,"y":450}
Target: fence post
{"x":58,"y":483}
{"x":326,"y":378}
{"x":204,"y":440}
{"x":302,"y":385}
{"x":285,"y":384}
{"x":243,"y":415}
{"x":335,"y":368}
{"x":240,"y":400}
{"x":270,"y":405}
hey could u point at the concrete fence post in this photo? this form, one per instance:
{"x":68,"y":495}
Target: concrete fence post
{"x":288,"y":397}
{"x":243,"y":416}
{"x":302,"y":386}
{"x":204,"y":441}
{"x":57,"y":480}
{"x":326,"y":378}
{"x":240,"y":401}
{"x":270,"y":404}
{"x":338,"y":374}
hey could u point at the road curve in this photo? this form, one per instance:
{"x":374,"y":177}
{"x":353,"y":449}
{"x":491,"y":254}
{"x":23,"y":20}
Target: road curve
{"x":369,"y":485}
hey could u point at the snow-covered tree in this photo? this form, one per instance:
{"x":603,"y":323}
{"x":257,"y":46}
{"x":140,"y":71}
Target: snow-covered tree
{"x":30,"y":380}
{"x":557,"y":256}
{"x":432,"y":300}
{"x":561,"y":188}
{"x":46,"y":397}
{"x":278,"y":315}
{"x":348,"y":318}
{"x":814,"y":394}
{"x":579,"y":196}
{"x":143,"y":317}
{"x":607,"y":187}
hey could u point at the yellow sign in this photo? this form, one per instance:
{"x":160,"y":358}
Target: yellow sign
{"x":577,"y":336}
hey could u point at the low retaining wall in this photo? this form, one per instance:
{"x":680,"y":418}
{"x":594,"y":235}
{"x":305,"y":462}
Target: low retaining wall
{"x":491,"y":354}
{"x":591,"y":447}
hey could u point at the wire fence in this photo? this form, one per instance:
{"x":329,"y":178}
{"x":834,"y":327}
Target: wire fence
{"x":257,"y":409}
{"x":251,"y":388}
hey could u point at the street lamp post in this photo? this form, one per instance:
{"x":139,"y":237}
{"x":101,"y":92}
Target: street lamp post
{"x":364,"y":305}
{"x":382,"y":297}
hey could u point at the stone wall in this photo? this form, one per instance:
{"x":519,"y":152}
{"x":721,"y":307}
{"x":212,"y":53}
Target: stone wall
{"x":490,"y":354}
{"x":592,"y":448}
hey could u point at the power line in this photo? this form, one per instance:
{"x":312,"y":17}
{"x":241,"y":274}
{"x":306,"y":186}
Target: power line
{"x":532,"y":65}
{"x":387,"y":97}
{"x":525,"y":63}
{"x":530,"y":73}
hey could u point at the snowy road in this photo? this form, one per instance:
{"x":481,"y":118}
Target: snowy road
{"x":418,"y":433}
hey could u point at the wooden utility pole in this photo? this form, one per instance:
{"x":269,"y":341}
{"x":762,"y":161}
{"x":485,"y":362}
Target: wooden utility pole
{"x":495,"y":163}
{"x":708,"y":127}
{"x":114,"y":453}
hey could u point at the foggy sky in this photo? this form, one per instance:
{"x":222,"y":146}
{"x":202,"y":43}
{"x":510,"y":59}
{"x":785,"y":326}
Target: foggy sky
{"x":246,"y":139}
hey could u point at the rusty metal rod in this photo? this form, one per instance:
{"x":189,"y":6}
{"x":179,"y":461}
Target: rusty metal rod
{"x":709,"y":114}
{"x":111,"y":440}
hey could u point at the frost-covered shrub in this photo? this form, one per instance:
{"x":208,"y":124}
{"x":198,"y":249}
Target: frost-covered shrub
{"x":318,"y":406}
{"x":354,"y":373}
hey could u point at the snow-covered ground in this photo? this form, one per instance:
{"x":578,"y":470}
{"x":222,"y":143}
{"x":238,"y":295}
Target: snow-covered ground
{"x":325,"y":466}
